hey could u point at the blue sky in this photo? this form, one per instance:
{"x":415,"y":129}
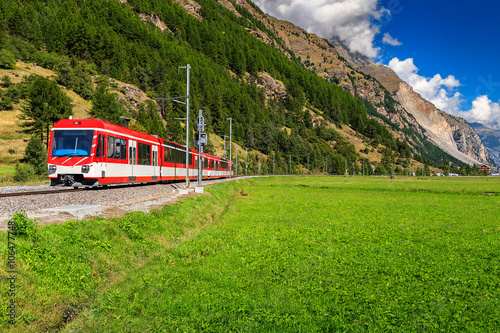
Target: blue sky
{"x":448,"y":51}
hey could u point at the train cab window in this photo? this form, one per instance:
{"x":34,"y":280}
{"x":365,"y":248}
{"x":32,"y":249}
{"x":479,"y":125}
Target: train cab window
{"x":72,"y":143}
{"x":99,"y":153}
{"x":98,"y":149}
{"x":143,"y":154}
{"x":117,"y":148}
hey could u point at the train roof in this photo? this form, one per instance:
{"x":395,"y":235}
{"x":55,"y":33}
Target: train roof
{"x":99,"y":124}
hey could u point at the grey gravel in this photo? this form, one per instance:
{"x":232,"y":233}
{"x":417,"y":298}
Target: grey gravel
{"x":125,"y":198}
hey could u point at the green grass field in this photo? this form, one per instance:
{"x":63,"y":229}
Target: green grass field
{"x":279,"y":254}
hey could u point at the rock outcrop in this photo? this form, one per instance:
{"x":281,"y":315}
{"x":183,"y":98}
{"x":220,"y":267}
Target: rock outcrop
{"x":452,"y":134}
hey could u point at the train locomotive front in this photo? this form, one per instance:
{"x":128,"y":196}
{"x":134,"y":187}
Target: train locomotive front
{"x":72,"y":151}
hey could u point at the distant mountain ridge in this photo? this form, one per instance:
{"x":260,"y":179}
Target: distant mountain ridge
{"x":491,"y":139}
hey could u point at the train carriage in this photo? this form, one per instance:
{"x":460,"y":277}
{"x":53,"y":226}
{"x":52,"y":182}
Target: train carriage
{"x":92,"y":152}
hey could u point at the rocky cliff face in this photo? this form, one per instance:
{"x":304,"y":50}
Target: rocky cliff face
{"x":452,"y":134}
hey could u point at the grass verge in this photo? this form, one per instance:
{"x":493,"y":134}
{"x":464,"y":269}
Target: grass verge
{"x":66,"y":272}
{"x":282,"y":254}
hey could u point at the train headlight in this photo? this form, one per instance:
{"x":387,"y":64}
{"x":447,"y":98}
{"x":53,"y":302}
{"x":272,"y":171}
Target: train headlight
{"x":85,"y":168}
{"x":52,"y":168}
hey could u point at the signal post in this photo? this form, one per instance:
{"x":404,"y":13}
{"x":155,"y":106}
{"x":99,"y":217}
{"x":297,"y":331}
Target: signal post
{"x":200,"y":140}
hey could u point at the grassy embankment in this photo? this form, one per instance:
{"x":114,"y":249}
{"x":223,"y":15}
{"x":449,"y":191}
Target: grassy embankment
{"x":277,"y":254}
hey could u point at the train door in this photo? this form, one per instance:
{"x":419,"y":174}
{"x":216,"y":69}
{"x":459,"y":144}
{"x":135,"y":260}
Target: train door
{"x":156,"y":168}
{"x":132,"y":158}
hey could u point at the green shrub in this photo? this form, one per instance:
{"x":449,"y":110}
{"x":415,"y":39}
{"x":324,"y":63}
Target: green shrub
{"x":23,"y":225}
{"x":6,"y":82}
{"x":23,"y":172}
{"x":7,"y":59}
{"x":36,"y":156}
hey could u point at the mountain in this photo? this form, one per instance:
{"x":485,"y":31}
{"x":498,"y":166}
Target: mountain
{"x":379,"y":84}
{"x":287,"y":91}
{"x":491,"y":139}
{"x":452,"y":134}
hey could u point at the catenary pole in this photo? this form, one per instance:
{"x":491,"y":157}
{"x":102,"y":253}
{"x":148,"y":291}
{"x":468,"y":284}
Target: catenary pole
{"x":246,"y":161}
{"x":230,"y":144}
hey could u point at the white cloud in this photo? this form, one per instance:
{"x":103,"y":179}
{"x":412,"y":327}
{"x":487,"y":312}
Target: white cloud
{"x":483,"y":111}
{"x":350,"y":20}
{"x":440,"y":92}
{"x":388,"y":39}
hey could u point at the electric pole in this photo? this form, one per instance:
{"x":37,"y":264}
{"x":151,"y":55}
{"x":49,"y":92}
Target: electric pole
{"x":188,"y":68}
{"x":230,"y":144}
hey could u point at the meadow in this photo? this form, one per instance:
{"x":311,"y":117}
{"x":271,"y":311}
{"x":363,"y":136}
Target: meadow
{"x":277,"y":254}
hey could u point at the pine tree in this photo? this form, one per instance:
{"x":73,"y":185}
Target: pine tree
{"x":36,"y":156}
{"x":7,"y":59}
{"x":82,"y":82}
{"x":65,"y":73}
{"x":46,"y":104}
{"x":105,"y":106}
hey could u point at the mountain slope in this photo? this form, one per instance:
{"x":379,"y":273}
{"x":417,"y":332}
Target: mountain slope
{"x":362,"y":77}
{"x":287,"y":91}
{"x":451,"y":133}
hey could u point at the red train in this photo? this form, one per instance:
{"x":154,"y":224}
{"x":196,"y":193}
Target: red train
{"x":92,"y":152}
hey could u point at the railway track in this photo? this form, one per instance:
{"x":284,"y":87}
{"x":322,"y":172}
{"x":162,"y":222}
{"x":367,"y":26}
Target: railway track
{"x":67,"y":190}
{"x":27,"y":193}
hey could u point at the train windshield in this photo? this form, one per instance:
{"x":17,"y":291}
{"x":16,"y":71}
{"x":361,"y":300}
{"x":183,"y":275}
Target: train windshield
{"x":72,"y":143}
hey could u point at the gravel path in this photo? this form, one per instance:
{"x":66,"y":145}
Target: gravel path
{"x":114,"y":201}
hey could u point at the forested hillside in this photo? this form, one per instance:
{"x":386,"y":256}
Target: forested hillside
{"x":143,"y":42}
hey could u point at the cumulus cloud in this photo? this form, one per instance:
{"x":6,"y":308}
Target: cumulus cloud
{"x":388,"y":39}
{"x":483,"y":111}
{"x":353,"y":21}
{"x":438,"y":90}
{"x":442,"y":93}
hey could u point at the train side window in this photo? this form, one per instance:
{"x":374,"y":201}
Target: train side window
{"x":111,"y":146}
{"x":123,"y":149}
{"x":166,"y":154}
{"x":117,"y":148}
{"x":143,"y":154}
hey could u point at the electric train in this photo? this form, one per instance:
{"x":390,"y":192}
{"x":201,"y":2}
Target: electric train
{"x":93,"y":152}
